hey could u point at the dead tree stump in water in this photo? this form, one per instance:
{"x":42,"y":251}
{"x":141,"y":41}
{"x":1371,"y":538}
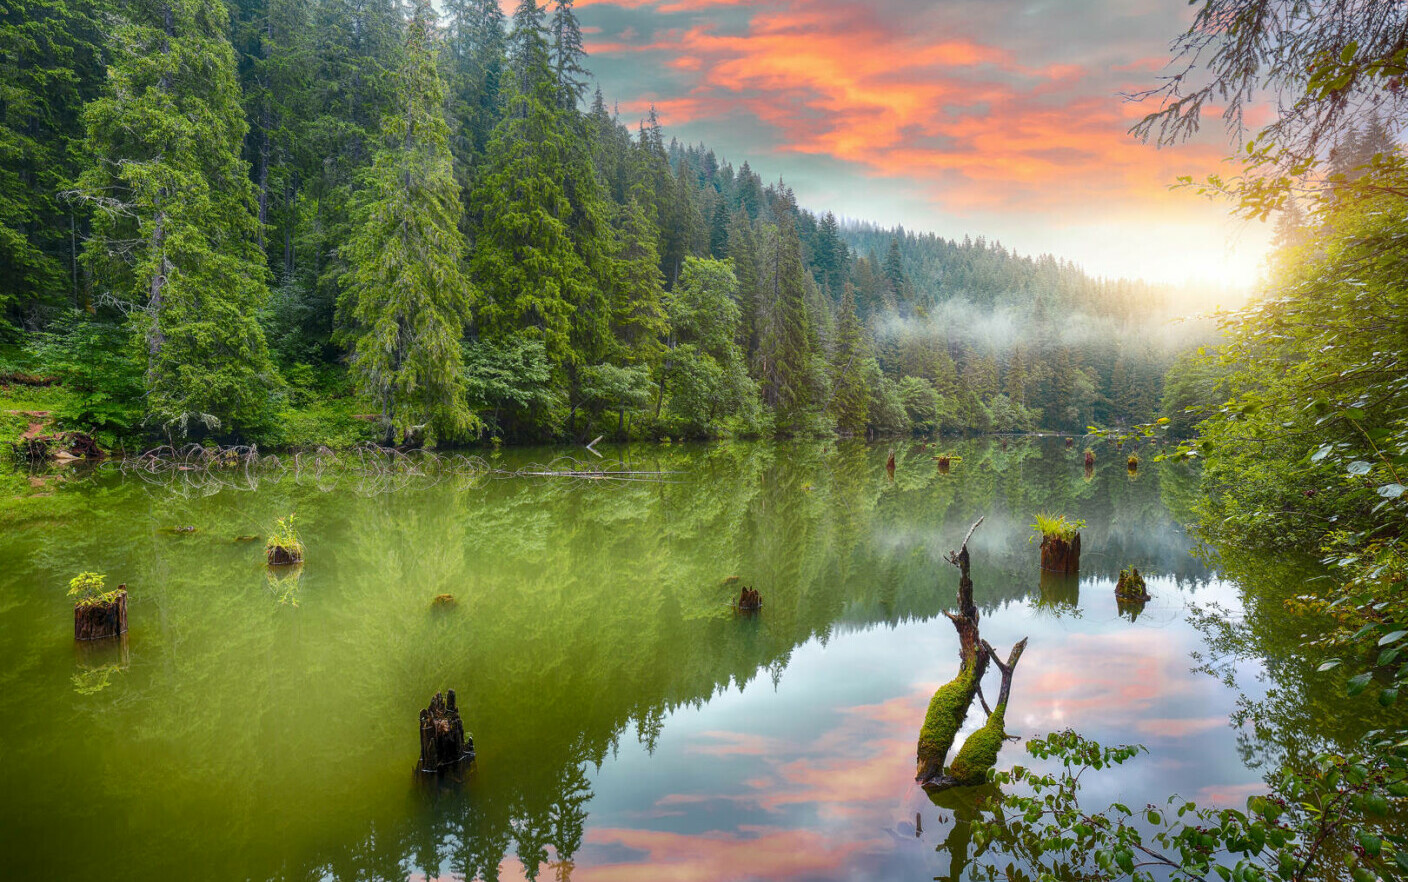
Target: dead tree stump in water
{"x":94,"y":621}
{"x":890,"y":464}
{"x":749,"y":600}
{"x":1090,"y":459}
{"x":443,"y":743}
{"x":1130,"y":587}
{"x":1070,"y":442}
{"x":944,"y":463}
{"x":1059,"y":555}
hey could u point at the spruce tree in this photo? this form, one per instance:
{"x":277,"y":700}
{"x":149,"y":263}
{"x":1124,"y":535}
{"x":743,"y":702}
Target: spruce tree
{"x":524,"y":258}
{"x":175,"y":228}
{"x":50,"y":66}
{"x":405,"y":298}
{"x":784,"y":354}
{"x":568,"y":55}
{"x":849,"y":394}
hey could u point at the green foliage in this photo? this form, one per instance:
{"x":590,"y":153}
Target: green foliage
{"x":405,"y":297}
{"x":88,"y":589}
{"x":1057,"y":526}
{"x":508,"y":383}
{"x":1337,"y":811}
{"x":284,"y":535}
{"x":100,"y":371}
{"x":174,"y":235}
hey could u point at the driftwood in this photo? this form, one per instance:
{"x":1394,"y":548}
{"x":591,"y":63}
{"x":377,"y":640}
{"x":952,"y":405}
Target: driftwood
{"x":59,"y":446}
{"x":443,"y":742}
{"x":94,"y":621}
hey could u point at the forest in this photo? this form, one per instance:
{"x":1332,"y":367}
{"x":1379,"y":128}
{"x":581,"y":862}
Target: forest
{"x":306,"y":222}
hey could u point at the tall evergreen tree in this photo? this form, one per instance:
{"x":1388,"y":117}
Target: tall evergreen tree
{"x":524,"y":257}
{"x":50,"y":66}
{"x":849,"y":395}
{"x":784,"y":356}
{"x":568,"y":56}
{"x":175,"y":230}
{"x":405,"y":299}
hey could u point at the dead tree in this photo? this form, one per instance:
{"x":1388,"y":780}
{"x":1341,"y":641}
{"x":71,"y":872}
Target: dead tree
{"x":949,"y":706}
{"x":443,"y":742}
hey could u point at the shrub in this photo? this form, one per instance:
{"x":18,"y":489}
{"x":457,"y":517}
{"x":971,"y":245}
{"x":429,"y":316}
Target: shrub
{"x":88,"y":588}
{"x":1057,"y":526}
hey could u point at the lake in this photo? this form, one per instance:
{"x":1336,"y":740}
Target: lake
{"x":259,"y":724}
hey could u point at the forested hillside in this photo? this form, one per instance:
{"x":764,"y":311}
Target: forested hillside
{"x":219,"y":218}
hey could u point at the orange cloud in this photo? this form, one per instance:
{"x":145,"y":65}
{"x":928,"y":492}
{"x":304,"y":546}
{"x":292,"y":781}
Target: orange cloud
{"x":752,"y":853}
{"x":978,"y":127}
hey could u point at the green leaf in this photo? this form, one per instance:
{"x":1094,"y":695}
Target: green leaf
{"x":1328,"y":665}
{"x":1393,"y":637}
{"x":1369,"y":842}
{"x":1359,"y":467}
{"x":1357,"y":683}
{"x":1391,"y":491}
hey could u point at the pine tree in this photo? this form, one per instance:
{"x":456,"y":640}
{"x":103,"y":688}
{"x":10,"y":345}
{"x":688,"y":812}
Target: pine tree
{"x":637,"y":309}
{"x":475,"y":44}
{"x":849,"y":395}
{"x":784,"y":355}
{"x":175,"y":231}
{"x":50,"y":65}
{"x":405,"y":298}
{"x":568,"y":55}
{"x":897,"y":281}
{"x":524,"y":258}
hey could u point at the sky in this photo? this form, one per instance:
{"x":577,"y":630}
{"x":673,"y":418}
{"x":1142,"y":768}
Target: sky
{"x":1003,"y":118}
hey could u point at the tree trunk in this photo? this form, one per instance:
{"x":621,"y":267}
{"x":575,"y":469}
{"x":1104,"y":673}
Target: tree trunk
{"x":443,"y":742}
{"x":1060,"y":556}
{"x":93,"y":621}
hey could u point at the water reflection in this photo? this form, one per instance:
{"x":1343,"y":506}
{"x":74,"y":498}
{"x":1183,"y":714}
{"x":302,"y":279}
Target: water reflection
{"x":628,"y":725}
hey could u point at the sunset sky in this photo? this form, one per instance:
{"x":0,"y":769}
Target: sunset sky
{"x":994,"y":117}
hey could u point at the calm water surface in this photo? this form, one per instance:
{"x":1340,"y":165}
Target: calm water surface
{"x":628,"y":724}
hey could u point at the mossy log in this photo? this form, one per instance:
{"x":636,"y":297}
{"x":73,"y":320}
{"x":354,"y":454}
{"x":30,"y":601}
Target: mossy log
{"x":1059,"y":555}
{"x":1130,"y":587}
{"x":443,"y":742}
{"x":94,"y":621}
{"x":979,"y":752}
{"x":947,"y":711}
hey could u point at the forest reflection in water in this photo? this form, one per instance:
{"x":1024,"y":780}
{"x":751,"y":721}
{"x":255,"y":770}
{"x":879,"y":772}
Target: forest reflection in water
{"x":628,"y":724}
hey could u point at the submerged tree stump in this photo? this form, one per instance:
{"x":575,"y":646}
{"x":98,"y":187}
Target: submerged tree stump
{"x":1070,"y":442}
{"x":93,"y":621}
{"x":279,"y":556}
{"x":443,"y":742}
{"x":749,"y":600}
{"x":1130,"y":587}
{"x":890,"y":464}
{"x":1090,"y":459}
{"x":944,"y":463}
{"x":1059,"y":555}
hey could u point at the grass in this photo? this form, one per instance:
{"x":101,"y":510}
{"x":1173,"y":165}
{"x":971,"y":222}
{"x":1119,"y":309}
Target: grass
{"x":285,"y":536}
{"x":1057,"y":526}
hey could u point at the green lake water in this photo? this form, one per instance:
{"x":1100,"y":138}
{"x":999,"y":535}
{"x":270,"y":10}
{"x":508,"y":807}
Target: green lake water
{"x":628,"y":724}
